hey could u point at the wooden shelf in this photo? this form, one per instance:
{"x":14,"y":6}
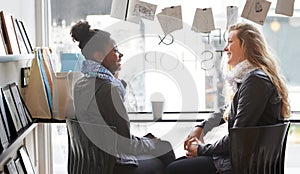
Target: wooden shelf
{"x":13,"y":58}
{"x":14,"y":145}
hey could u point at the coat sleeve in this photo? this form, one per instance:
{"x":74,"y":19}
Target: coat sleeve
{"x":112,"y":109}
{"x":220,"y":147}
{"x":251,"y":105}
{"x":214,"y":120}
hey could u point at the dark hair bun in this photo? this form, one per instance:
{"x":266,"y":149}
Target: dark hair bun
{"x":82,"y":33}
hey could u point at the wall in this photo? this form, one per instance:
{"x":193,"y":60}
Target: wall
{"x":11,"y":72}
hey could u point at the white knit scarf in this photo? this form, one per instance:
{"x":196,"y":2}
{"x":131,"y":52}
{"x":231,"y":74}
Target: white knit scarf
{"x":238,"y":74}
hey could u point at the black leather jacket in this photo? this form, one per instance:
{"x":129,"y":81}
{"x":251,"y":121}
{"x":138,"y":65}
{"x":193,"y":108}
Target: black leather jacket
{"x":256,"y":103}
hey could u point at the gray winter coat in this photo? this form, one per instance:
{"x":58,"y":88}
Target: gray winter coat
{"x":98,"y":101}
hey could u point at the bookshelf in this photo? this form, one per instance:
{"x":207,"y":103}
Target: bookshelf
{"x":10,"y":72}
{"x":11,"y":64}
{"x":16,"y":144}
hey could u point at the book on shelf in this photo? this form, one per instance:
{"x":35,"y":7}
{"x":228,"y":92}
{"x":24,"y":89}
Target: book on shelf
{"x":19,"y":165}
{"x":4,"y":140}
{"x":46,"y":74}
{"x":21,"y":42}
{"x":25,"y":160}
{"x":21,"y":107}
{"x":7,"y":120}
{"x":12,"y":109}
{"x":9,"y":33}
{"x":3,"y":48}
{"x":25,"y":35}
{"x":10,"y":167}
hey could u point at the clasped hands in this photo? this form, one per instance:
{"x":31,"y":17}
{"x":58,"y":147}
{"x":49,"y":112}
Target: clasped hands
{"x":192,"y":141}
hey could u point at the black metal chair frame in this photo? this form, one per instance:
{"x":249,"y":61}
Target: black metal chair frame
{"x":85,"y":153}
{"x":258,"y":150}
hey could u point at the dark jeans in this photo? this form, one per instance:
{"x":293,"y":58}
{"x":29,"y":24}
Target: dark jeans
{"x":155,"y":163}
{"x":196,"y":165}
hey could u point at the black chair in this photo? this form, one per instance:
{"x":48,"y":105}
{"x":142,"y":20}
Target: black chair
{"x":258,"y":150}
{"x":92,"y":148}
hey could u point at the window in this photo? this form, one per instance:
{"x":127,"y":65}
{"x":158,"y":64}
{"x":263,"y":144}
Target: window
{"x":177,"y":64}
{"x":152,"y":58}
{"x":185,"y":67}
{"x":281,"y":35}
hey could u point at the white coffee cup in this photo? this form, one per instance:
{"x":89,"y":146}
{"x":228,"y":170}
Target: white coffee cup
{"x":157,"y":109}
{"x":157,"y":103}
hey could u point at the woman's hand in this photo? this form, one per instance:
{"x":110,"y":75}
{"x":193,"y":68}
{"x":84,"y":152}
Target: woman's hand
{"x":197,"y":133}
{"x":192,"y":147}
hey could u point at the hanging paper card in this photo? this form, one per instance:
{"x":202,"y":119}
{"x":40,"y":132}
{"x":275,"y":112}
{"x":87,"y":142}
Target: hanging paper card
{"x":170,"y":19}
{"x":144,"y":10}
{"x":123,"y":9}
{"x":256,"y":11}
{"x":285,"y":7}
{"x":232,"y":15}
{"x":203,"y":20}
{"x":119,"y":9}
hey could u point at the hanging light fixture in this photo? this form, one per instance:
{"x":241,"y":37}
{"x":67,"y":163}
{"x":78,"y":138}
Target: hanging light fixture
{"x":275,"y":25}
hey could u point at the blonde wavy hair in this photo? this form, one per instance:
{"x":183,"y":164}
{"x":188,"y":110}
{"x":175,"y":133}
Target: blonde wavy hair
{"x":256,"y":52}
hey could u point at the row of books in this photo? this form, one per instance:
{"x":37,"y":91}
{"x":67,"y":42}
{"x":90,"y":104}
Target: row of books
{"x":14,"y":115}
{"x":13,"y":36}
{"x":20,"y":165}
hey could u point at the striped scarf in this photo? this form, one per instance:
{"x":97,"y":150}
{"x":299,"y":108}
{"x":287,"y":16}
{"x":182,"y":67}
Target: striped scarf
{"x":94,"y":69}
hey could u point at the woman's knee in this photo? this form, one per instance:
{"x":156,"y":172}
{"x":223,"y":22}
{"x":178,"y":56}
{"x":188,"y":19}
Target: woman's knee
{"x":164,"y":152}
{"x":175,"y":167}
{"x":192,"y":166}
{"x":150,"y":166}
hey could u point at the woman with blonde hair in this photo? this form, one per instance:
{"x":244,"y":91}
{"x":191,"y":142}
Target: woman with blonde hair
{"x":259,"y":97}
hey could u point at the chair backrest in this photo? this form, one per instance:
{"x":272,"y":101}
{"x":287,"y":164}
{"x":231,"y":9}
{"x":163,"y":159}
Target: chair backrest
{"x":259,"y":150}
{"x":92,"y":148}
